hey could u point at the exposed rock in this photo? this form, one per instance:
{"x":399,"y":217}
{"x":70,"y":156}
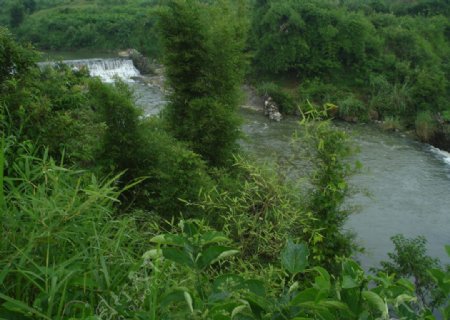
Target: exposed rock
{"x":271,"y":110}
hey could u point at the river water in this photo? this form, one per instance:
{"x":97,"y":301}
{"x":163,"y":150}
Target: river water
{"x":404,"y":185}
{"x":408,"y":182}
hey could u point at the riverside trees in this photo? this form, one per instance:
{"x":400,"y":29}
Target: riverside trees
{"x":205,"y":66}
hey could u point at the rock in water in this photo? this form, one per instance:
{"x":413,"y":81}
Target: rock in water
{"x":271,"y":110}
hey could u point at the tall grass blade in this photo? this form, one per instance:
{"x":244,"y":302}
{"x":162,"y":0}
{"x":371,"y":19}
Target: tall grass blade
{"x":23,"y":306}
{"x":2,"y":162}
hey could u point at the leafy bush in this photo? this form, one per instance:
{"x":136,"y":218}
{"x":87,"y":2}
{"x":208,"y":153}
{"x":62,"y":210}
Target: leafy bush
{"x":425,"y":126}
{"x":285,"y":102}
{"x":257,"y":211}
{"x":390,"y":100}
{"x":330,"y":150}
{"x":319,"y":92}
{"x":62,"y":252}
{"x":352,"y":109}
{"x":409,"y":260}
{"x":391,"y":124}
{"x":105,"y":26}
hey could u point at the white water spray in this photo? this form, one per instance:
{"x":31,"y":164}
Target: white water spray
{"x":105,"y":69}
{"x":443,"y":155}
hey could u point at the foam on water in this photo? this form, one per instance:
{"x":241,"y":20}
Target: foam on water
{"x":105,"y":69}
{"x":443,"y":155}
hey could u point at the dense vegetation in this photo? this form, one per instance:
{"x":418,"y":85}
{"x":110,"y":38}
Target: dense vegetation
{"x":109,"y":215}
{"x":376,"y":60}
{"x":95,"y":24}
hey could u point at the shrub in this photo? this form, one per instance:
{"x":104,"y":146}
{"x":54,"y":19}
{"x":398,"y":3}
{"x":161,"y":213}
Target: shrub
{"x":352,"y":109}
{"x":426,"y":126}
{"x":390,"y":100}
{"x":285,"y":102}
{"x":409,"y":260}
{"x":256,"y":210}
{"x":391,"y":124}
{"x":62,"y":253}
{"x":319,"y":92}
{"x":173,"y":173}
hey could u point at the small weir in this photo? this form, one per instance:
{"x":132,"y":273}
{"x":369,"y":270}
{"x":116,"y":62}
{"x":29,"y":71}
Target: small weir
{"x":105,"y":69}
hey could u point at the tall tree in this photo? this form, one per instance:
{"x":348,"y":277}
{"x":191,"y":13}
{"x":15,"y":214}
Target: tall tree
{"x":204,"y":66}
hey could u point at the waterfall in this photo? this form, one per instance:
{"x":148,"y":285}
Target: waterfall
{"x":105,"y":69}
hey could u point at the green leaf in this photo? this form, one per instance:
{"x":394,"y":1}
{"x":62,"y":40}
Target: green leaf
{"x":406,"y":284}
{"x":404,"y":298}
{"x":348,"y":282}
{"x":189,"y":302}
{"x":322,"y":282}
{"x":214,"y":254}
{"x":377,"y":302}
{"x":178,"y":256}
{"x":447,"y":248}
{"x":169,"y":239}
{"x":238,"y":310}
{"x":19,"y":306}
{"x":213,"y":237}
{"x":306,"y":295}
{"x":294,"y":257}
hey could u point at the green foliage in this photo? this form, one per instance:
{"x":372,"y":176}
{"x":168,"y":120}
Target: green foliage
{"x":318,"y":92}
{"x":294,"y":257}
{"x":173,"y":172}
{"x":394,"y":60}
{"x":204,"y":67}
{"x":331,"y":150}
{"x":97,"y":126}
{"x":409,"y":260}
{"x":257,"y":210}
{"x":390,"y":100}
{"x":63,"y":255}
{"x":391,"y":124}
{"x":426,"y":126}
{"x":78,"y":24}
{"x":233,"y":296}
{"x":284,"y":100}
{"x":352,"y":109}
{"x":310,"y":37}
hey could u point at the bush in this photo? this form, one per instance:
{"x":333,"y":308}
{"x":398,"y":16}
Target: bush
{"x":352,"y":109}
{"x":409,"y":260}
{"x":426,"y":126}
{"x":285,"y":102}
{"x":173,"y":173}
{"x":62,"y":254}
{"x":256,"y":210}
{"x":391,"y":124}
{"x":391,"y":100}
{"x":319,"y":92}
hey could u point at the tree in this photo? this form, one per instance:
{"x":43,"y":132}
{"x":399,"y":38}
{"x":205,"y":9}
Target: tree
{"x":410,"y":260}
{"x":204,"y":66}
{"x":17,"y":14}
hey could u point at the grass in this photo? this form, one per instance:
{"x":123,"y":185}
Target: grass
{"x":63,"y":252}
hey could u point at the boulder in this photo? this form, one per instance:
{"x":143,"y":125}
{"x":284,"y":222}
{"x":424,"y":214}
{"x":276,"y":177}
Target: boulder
{"x":271,"y":110}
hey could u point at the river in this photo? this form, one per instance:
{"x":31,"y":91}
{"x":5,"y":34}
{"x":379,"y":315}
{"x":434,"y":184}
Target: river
{"x":404,"y":185}
{"x":408,"y":182}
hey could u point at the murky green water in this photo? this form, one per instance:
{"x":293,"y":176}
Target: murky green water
{"x":408,"y":182}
